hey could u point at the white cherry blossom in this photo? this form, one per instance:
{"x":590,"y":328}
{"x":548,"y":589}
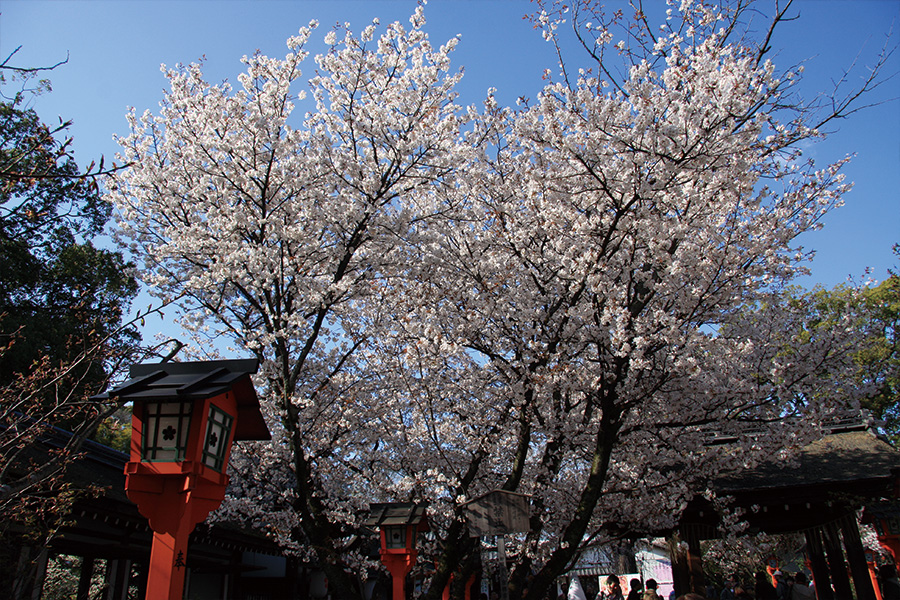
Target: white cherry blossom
{"x":579,"y":299}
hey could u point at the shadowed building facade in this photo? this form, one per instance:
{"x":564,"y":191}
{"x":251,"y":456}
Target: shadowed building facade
{"x":817,"y":494}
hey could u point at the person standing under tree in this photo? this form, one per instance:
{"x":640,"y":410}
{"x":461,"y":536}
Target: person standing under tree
{"x":890,"y":584}
{"x":611,"y":590}
{"x":650,"y":593}
{"x":728,"y":590}
{"x":763,"y":589}
{"x":801,"y":589}
{"x":782,"y":589}
{"x":636,"y":589}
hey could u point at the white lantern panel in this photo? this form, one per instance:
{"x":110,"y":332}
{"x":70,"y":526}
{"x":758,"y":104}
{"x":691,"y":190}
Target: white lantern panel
{"x":166,"y":428}
{"x":218,"y":430}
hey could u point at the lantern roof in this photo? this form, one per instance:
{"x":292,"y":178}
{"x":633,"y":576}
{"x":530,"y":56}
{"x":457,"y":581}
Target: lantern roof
{"x":396,"y":513}
{"x":195,"y":381}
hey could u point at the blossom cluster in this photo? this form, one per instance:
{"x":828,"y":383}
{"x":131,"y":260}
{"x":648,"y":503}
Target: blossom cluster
{"x":578,"y":299}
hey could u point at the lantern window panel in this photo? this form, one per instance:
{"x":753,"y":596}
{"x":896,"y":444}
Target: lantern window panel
{"x":167,"y":425}
{"x":218,"y":430}
{"x":395,"y":536}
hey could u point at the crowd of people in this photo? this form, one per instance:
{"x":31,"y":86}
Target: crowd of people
{"x":767,"y":585}
{"x":778,"y":585}
{"x":612,"y":590}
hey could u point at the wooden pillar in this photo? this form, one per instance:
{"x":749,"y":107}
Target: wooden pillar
{"x":856,"y":556}
{"x":836,"y":564}
{"x":40,"y":574}
{"x":22,"y":578}
{"x":124,"y":578}
{"x":118,"y":577}
{"x":818,"y":564}
{"x":140,"y":579}
{"x":680,"y":572}
{"x":84,"y":578}
{"x":690,"y":533}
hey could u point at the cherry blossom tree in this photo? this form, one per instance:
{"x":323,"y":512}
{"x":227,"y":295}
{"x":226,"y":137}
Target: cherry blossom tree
{"x":579,"y":299}
{"x":280,"y":233}
{"x":606,"y":306}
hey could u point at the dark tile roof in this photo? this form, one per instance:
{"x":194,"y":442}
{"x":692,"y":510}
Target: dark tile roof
{"x":106,"y":524}
{"x":845,"y":457}
{"x":198,"y":380}
{"x":399,"y":513}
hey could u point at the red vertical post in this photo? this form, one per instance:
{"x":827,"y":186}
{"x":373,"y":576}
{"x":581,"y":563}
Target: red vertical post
{"x":399,"y":562}
{"x":445,"y":595}
{"x":185,"y":418}
{"x":165,"y":579}
{"x":398,"y":523}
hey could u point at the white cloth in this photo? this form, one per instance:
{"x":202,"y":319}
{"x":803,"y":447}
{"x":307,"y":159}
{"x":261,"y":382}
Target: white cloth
{"x":576,"y":592}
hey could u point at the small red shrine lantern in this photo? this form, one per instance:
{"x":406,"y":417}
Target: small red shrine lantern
{"x":185,"y":418}
{"x":884,"y":516}
{"x":399,"y":524}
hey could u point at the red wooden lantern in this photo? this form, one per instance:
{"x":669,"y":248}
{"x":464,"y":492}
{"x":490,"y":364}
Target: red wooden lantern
{"x":884,"y":516}
{"x":185,"y":418}
{"x":399,"y":524}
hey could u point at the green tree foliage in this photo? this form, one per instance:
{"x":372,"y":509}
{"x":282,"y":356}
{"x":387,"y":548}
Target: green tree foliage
{"x":879,"y":357}
{"x":57,"y":288}
{"x":875,"y":314}
{"x":62,"y":335}
{"x":115,"y":430}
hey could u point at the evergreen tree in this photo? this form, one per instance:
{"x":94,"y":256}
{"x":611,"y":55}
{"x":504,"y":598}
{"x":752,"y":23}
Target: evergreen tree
{"x":62,"y":335}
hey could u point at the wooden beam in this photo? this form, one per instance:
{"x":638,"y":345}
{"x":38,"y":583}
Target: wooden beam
{"x":856,"y":556}
{"x":84,"y":579}
{"x":816,"y":553}
{"x":836,"y":563}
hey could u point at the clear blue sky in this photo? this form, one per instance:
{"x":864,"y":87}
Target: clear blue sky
{"x":115,"y":49}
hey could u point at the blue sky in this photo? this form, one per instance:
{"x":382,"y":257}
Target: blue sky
{"x":115,"y":49}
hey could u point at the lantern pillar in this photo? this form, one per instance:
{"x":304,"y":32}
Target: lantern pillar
{"x":399,"y":562}
{"x":399,"y":523}
{"x":165,"y":578}
{"x":173,"y":505}
{"x":185,"y":418}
